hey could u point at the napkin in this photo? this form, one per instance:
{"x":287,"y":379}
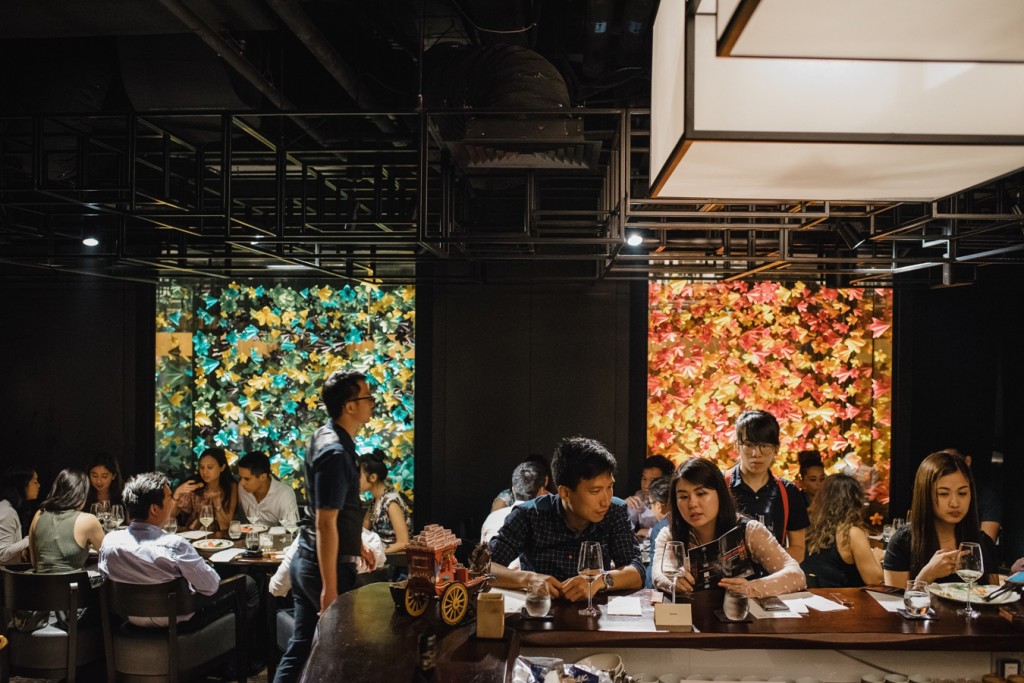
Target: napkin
{"x":625,"y":606}
{"x":890,"y":603}
{"x":823,"y":604}
{"x":226,"y":555}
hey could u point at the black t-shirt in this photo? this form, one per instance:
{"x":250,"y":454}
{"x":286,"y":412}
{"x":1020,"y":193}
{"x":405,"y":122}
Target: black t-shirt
{"x":897,"y":555}
{"x":768,"y":502}
{"x":332,"y":483}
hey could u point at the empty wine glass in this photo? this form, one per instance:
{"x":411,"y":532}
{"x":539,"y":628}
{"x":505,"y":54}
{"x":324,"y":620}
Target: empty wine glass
{"x":590,"y":566}
{"x":969,"y":567}
{"x":674,"y":562}
{"x":171,"y":527}
{"x":102,"y":511}
{"x":115,"y":516}
{"x":290,"y":522}
{"x":206,"y":516}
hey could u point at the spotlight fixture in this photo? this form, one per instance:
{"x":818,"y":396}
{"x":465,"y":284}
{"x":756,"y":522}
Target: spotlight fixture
{"x":852,"y":235}
{"x":635,"y":239}
{"x":91,"y":242}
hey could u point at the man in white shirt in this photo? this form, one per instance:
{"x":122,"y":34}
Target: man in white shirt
{"x":527,"y":483}
{"x":264,"y":499}
{"x":145,"y":554}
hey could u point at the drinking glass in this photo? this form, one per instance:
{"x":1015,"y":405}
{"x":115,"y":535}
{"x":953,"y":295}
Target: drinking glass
{"x":252,"y":541}
{"x":969,"y":567}
{"x":916,"y":599}
{"x":736,"y":605}
{"x":898,"y":522}
{"x":590,"y":566}
{"x":266,"y":543}
{"x":235,"y":530}
{"x":538,"y":598}
{"x":102,"y":512}
{"x":291,"y":524}
{"x":116,"y":516}
{"x":171,"y":527}
{"x":674,"y":562}
{"x":887,"y":531}
{"x":206,"y":516}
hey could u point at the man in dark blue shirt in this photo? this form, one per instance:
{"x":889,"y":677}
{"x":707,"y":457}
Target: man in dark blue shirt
{"x":546,"y":532}
{"x":324,"y":565}
{"x":758,"y":492}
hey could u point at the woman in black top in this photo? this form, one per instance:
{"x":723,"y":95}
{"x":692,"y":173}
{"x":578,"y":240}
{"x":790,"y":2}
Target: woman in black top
{"x":943,"y":514}
{"x":838,"y":550}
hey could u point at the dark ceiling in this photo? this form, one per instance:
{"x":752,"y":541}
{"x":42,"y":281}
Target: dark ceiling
{"x":400,"y":141}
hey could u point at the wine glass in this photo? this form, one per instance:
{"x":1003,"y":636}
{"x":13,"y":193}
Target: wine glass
{"x":969,"y":567}
{"x":590,"y":566}
{"x":116,"y":516}
{"x":206,"y":516}
{"x":674,"y":562}
{"x":102,"y":511}
{"x":290,"y":523}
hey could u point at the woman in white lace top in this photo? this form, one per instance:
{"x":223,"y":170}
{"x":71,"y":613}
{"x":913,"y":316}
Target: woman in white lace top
{"x":703,"y":510}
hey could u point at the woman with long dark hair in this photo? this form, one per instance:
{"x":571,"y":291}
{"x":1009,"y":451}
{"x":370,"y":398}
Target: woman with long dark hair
{"x":18,"y":486}
{"x":105,"y":481}
{"x":943,"y":514}
{"x":388,"y":515}
{"x":838,"y":550}
{"x":703,"y":510}
{"x":212,"y":485}
{"x":61,"y":534}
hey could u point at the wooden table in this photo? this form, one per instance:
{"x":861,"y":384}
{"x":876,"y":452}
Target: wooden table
{"x":363,"y":637}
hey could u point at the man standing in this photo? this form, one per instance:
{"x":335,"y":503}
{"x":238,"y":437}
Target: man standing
{"x":324,"y":565}
{"x":758,"y":492}
{"x":264,"y":499}
{"x":545,"y":533}
{"x":144,"y":554}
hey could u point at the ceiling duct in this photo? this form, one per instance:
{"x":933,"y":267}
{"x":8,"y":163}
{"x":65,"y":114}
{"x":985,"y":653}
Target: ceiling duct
{"x":507,"y":78}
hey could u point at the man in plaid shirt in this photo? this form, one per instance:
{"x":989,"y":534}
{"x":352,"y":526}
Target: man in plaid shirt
{"x":546,"y":532}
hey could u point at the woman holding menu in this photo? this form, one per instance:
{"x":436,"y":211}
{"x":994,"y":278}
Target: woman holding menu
{"x":704,"y":510}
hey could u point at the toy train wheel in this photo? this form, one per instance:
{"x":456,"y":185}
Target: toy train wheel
{"x":415,"y":602}
{"x":454,"y":603}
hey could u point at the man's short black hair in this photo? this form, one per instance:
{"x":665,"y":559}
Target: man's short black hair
{"x":757,"y":426}
{"x":143,"y":490}
{"x":256,"y":462}
{"x":660,"y":490}
{"x":340,"y":388}
{"x":578,"y":458}
{"x":527,"y":480}
{"x":661,"y":462}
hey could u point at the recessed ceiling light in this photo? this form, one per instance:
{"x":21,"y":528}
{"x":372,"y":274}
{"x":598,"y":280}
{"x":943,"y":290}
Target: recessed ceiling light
{"x":635,"y":239}
{"x":91,"y":242}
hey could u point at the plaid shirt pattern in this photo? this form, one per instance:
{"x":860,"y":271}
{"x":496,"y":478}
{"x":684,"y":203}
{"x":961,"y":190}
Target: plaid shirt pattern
{"x":536,"y":533}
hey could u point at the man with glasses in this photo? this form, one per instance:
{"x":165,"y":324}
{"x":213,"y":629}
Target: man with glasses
{"x":758,"y":493}
{"x":324,"y":564}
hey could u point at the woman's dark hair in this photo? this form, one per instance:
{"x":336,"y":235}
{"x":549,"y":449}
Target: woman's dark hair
{"x":702,"y":472}
{"x":373,"y":463}
{"x":924,"y":540}
{"x":68,"y":492}
{"x":14,"y":483}
{"x":226,"y":480}
{"x":836,"y":510}
{"x":116,"y":484}
{"x":809,"y":459}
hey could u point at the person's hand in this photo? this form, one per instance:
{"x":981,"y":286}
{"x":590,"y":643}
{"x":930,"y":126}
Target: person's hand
{"x":327,"y":596}
{"x":735,"y":582}
{"x":368,"y":557}
{"x":186,"y":488}
{"x":943,"y":563}
{"x":685,"y":583}
{"x":635,"y":503}
{"x":577,"y":589}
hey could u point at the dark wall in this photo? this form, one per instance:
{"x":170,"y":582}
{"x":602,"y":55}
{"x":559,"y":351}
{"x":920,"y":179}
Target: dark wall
{"x":78,"y":373}
{"x":957,"y":383}
{"x":513,"y":370}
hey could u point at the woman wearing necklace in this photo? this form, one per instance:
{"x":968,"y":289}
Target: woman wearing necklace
{"x":213,"y":486}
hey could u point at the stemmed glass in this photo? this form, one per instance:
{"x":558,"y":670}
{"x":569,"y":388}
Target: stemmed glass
{"x":116,"y":516}
{"x":206,"y":516}
{"x":102,"y":511}
{"x":590,"y":566}
{"x":969,"y":567}
{"x":674,"y":562}
{"x":290,"y":524}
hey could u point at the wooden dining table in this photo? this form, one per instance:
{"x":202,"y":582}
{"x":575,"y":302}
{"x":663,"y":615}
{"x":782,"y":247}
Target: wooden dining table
{"x":363,"y":636}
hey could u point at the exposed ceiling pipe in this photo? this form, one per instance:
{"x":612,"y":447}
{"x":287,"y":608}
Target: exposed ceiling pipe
{"x":229,"y":54}
{"x":310,"y":35}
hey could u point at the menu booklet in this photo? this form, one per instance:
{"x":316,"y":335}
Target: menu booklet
{"x":725,"y":557}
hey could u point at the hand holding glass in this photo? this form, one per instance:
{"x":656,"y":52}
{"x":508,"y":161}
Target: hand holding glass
{"x":969,"y":567}
{"x":674,"y":563}
{"x":590,"y":566}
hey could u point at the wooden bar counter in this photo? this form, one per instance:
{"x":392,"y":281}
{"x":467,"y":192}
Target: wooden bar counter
{"x":362,"y":637}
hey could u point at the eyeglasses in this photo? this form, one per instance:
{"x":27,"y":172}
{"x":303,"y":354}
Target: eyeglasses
{"x":761,"y":447}
{"x":363,"y":398}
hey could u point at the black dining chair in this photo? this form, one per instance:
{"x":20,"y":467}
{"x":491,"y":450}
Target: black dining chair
{"x":176,"y":652}
{"x":60,"y":646}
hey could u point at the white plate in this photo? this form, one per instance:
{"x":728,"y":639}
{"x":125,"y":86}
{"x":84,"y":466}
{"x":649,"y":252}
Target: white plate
{"x":194,"y":534}
{"x":213,"y":544}
{"x":258,"y":528}
{"x":958,"y":593}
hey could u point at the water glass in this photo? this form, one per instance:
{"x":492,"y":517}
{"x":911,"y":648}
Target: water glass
{"x":171,"y":527}
{"x":115,"y":516}
{"x":266,"y":543}
{"x":538,"y":598}
{"x":887,"y":531}
{"x":235,"y":530}
{"x":252,"y":541}
{"x":736,"y":605}
{"x":916,"y":598}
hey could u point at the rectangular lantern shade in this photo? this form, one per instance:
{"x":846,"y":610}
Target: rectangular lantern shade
{"x":732,"y":128}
